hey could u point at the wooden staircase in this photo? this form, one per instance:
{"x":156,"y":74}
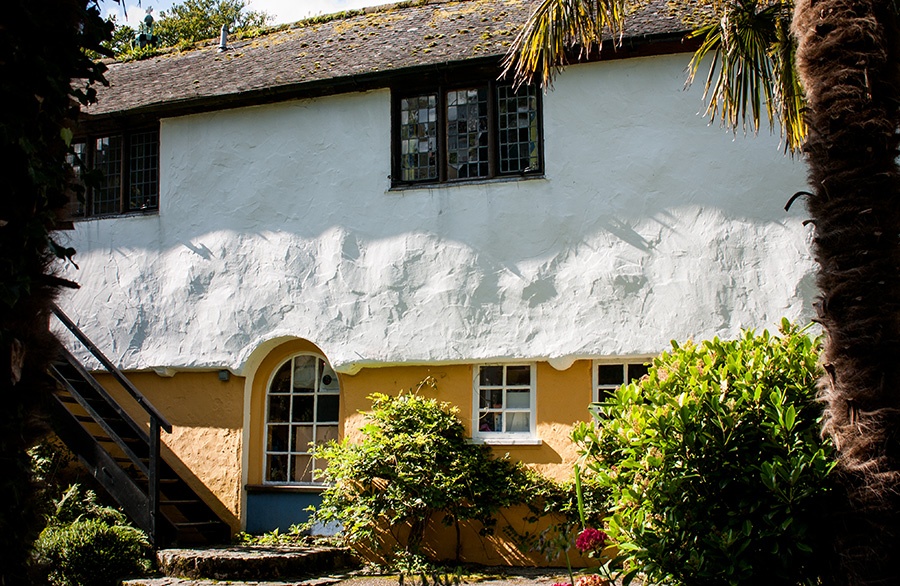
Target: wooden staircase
{"x":124,"y":455}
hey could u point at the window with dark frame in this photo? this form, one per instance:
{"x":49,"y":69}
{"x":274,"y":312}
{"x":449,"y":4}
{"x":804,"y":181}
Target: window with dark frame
{"x":478,"y":131}
{"x":127,"y":174}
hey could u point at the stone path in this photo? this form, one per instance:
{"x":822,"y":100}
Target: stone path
{"x":510,"y":577}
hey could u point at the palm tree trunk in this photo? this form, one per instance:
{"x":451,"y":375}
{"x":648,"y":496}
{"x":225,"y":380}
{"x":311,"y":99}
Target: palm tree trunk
{"x":848,"y":62}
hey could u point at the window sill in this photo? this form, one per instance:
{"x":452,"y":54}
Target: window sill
{"x":131,"y":214}
{"x":463,"y":182}
{"x":508,"y":441}
{"x":284,"y":488}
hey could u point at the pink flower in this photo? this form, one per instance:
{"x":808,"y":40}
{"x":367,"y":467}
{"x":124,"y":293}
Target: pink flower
{"x":590,"y":540}
{"x":591,"y":580}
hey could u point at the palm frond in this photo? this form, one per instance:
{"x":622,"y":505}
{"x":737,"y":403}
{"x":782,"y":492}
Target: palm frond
{"x":555,"y":29}
{"x":751,"y":69}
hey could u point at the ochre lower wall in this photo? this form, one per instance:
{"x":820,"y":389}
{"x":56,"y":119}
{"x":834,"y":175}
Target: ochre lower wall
{"x":562,"y":398}
{"x":497,"y":549}
{"x":208,"y":421}
{"x":205,"y":444}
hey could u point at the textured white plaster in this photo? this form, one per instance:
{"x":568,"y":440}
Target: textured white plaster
{"x":278,"y":221}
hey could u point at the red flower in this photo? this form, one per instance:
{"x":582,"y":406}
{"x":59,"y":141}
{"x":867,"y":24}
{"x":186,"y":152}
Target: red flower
{"x":590,"y":540}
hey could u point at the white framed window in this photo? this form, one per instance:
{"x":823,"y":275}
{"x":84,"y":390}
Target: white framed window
{"x":504,"y":402}
{"x":609,"y":375}
{"x":302,"y":410}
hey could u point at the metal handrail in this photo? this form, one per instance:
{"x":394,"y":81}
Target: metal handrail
{"x":111,"y":368}
{"x":157,"y":422}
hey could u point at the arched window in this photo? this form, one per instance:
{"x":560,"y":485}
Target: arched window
{"x":302,"y":408}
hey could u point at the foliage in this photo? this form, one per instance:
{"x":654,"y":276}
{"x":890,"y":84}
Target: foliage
{"x":294,"y":536}
{"x":413,"y":467}
{"x":122,"y":40}
{"x":197,"y":20}
{"x":567,"y":511}
{"x":86,"y":543}
{"x":716,"y":469}
{"x":751,"y":70}
{"x":45,"y":47}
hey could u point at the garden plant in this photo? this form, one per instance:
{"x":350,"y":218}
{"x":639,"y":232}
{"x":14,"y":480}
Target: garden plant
{"x":714,"y":463}
{"x":414,"y":468}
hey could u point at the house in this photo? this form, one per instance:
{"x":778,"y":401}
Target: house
{"x":353,"y":203}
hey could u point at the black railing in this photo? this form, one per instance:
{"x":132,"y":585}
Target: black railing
{"x":157,"y":421}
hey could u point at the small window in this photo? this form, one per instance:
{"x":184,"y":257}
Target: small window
{"x":609,"y":376}
{"x":302,"y":410}
{"x":126,"y":168}
{"x":504,"y":400}
{"x":480,"y":131}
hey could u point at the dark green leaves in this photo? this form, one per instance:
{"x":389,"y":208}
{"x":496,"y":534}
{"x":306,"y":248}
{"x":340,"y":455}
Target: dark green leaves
{"x":715,"y":464}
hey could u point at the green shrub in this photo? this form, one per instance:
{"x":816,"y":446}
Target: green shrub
{"x":714,"y":462}
{"x":414,"y":467}
{"x":88,"y":544}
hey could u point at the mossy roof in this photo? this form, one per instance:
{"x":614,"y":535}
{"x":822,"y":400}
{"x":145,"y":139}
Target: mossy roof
{"x":334,"y":53}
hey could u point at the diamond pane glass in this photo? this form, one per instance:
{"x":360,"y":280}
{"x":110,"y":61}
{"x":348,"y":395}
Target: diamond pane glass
{"x":108,"y":160}
{"x":418,"y":138}
{"x":143,"y":184}
{"x":517,"y":122}
{"x":467,"y":134}
{"x":76,"y":159}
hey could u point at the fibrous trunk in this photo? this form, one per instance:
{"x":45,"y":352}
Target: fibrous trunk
{"x":848,"y":61}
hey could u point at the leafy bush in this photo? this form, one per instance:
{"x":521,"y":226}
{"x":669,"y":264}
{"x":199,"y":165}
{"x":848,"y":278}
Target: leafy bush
{"x":568,"y":509}
{"x":413,"y":467}
{"x":86,"y":543}
{"x":714,"y":462}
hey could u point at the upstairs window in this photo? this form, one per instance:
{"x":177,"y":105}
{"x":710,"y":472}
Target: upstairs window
{"x":126,"y":170}
{"x":479,"y":131}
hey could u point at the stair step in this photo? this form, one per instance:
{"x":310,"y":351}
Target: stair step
{"x":253,"y":563}
{"x":178,"y":503}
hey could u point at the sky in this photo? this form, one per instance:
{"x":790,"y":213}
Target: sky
{"x":283,"y":11}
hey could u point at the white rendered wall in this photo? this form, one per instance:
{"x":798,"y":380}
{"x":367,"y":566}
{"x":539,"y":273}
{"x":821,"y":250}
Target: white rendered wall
{"x":278,"y":221}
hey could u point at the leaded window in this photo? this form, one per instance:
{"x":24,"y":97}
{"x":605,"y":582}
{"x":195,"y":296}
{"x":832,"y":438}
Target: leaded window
{"x":479,"y":131}
{"x":302,"y":411}
{"x":124,"y":171}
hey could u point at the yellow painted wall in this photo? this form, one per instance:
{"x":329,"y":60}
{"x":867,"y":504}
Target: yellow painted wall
{"x":207,"y":417}
{"x":562,"y":398}
{"x":205,"y":444}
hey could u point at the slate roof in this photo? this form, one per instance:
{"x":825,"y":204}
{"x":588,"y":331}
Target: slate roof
{"x":355,"y":48}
